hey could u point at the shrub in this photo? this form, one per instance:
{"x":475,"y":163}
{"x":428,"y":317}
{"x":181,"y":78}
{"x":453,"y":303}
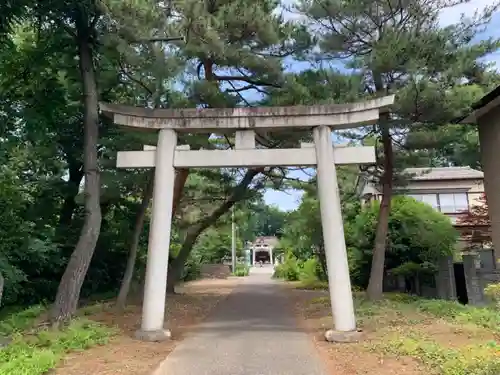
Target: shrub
{"x":418,"y":235}
{"x":492,"y":292}
{"x":241,"y":270}
{"x":192,"y":270}
{"x":308,"y":271}
{"x":288,"y":270}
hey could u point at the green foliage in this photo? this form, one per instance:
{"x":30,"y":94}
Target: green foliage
{"x":308,"y":271}
{"x":241,"y":270}
{"x":478,"y":360}
{"x":215,"y":244}
{"x":192,"y":269}
{"x":311,"y":284}
{"x":37,"y":353}
{"x":302,"y":232}
{"x":17,"y":322}
{"x":492,"y":292}
{"x":418,"y":236}
{"x":451,"y":311}
{"x":256,"y":218}
{"x":462,"y":314}
{"x":288,"y":270}
{"x":397,"y":318}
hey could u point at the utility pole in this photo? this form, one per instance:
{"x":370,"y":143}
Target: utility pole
{"x":233,"y":241}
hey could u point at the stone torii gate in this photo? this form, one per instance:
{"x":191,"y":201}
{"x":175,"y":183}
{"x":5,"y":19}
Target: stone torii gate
{"x":167,"y":156}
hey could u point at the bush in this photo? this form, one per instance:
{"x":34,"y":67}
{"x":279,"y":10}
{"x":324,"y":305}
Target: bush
{"x":288,"y":270}
{"x":192,"y":270}
{"x":241,"y":270}
{"x":492,"y":292}
{"x":309,"y":271}
{"x":418,"y":235}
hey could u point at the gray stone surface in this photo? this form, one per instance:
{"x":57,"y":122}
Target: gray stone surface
{"x":153,"y":336}
{"x":343,"y":337}
{"x":252,"y":332}
{"x":445,"y":279}
{"x":475,"y":292}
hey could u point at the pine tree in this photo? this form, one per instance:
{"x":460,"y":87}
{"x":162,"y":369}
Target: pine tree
{"x":399,"y":47}
{"x":235,"y":49}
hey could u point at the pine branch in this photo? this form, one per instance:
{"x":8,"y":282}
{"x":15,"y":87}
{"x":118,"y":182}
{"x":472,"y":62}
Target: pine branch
{"x":133,"y":79}
{"x":165,"y":39}
{"x":247,"y":80}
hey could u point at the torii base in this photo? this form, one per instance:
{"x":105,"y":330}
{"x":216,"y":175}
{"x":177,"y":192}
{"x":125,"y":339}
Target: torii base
{"x":153,"y":336}
{"x":343,"y":337}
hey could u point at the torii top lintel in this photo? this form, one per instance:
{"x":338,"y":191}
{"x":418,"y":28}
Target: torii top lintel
{"x":338,"y":116}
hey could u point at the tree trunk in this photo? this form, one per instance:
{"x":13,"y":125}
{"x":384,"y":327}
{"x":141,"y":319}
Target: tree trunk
{"x":375,"y":284}
{"x":180,"y":181}
{"x":136,"y":235}
{"x":177,"y":265}
{"x":68,"y":292}
{"x":181,"y":177}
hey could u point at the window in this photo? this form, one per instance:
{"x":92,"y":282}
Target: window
{"x":453,"y":202}
{"x":430,"y":199}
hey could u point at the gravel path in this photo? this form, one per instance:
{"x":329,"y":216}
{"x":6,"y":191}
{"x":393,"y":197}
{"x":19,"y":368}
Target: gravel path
{"x":252,"y":332}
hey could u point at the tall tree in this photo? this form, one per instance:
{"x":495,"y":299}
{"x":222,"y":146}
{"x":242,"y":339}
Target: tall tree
{"x":233,"y":48}
{"x":400,"y":47}
{"x":87,"y":23}
{"x":84,"y":17}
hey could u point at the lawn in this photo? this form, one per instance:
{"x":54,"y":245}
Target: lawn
{"x":407,"y":335}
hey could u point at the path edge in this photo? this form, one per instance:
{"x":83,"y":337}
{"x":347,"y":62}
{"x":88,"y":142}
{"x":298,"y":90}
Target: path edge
{"x":159,"y":369}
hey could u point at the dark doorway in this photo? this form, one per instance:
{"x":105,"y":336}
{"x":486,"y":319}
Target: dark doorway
{"x":262,"y":256}
{"x":460,"y":283}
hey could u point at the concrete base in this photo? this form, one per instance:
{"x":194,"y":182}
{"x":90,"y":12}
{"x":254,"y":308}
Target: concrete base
{"x":153,"y":336}
{"x":343,"y":337}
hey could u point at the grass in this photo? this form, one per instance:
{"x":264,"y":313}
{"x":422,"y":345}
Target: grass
{"x":481,"y":359}
{"x":21,"y":320}
{"x":34,"y":351}
{"x":311,"y":284}
{"x":446,"y":337}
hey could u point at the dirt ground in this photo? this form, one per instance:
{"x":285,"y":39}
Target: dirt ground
{"x":124,"y":355}
{"x":361,"y":358}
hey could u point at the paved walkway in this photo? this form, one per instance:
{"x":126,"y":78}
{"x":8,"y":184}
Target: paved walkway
{"x":252,"y":332}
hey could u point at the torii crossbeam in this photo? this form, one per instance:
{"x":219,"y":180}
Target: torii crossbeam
{"x":244,"y":122}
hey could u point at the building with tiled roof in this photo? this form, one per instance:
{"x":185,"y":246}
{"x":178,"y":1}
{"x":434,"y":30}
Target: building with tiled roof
{"x":451,"y":190}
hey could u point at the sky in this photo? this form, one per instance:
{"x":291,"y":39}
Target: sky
{"x":289,"y":200}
